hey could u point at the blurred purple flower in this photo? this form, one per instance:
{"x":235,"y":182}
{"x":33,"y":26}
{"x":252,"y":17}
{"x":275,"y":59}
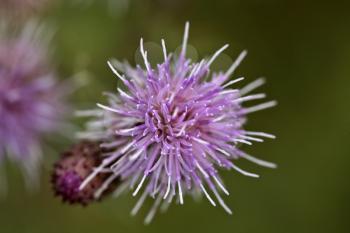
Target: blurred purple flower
{"x":173,"y":127}
{"x":31,"y":100}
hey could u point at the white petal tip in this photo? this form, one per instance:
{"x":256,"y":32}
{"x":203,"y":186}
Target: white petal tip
{"x":229,"y":211}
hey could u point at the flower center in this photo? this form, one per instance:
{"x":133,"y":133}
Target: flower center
{"x":168,"y":123}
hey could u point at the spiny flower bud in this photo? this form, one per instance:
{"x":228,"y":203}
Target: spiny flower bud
{"x":73,"y":167}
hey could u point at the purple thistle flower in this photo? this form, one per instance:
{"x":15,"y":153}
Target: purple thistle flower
{"x":31,"y":100}
{"x":173,"y":128}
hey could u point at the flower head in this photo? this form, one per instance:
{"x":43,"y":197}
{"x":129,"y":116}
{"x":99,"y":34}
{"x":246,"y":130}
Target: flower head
{"x":31,"y":100}
{"x":71,"y":170}
{"x":173,"y":127}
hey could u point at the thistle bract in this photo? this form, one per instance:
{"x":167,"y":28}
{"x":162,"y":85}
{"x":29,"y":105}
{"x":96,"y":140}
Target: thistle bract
{"x":172,"y":127}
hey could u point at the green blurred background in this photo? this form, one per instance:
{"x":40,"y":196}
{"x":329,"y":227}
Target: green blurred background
{"x":302,"y":47}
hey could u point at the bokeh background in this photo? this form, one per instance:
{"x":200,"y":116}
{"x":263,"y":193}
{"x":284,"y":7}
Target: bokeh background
{"x":302,"y":47}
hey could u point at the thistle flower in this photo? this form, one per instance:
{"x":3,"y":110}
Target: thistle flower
{"x":173,"y":127}
{"x":73,"y":167}
{"x":31,"y":100}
